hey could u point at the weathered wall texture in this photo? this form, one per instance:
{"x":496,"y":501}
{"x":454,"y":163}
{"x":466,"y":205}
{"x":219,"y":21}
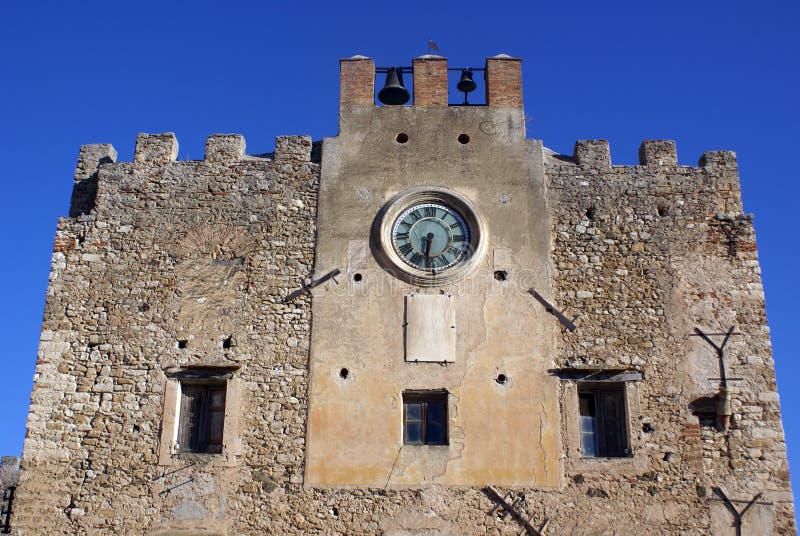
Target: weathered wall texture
{"x":165,"y":266}
{"x":355,"y":428}
{"x":171,"y":251}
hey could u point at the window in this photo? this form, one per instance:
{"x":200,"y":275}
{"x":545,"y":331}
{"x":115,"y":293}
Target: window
{"x":201,"y":416}
{"x":603,"y":429}
{"x":425,"y":418}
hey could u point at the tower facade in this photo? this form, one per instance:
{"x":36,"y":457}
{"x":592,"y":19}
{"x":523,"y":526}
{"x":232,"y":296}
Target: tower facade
{"x":428,"y":324}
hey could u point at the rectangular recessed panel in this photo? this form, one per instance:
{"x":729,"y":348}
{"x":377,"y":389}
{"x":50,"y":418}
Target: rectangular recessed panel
{"x":430,"y":327}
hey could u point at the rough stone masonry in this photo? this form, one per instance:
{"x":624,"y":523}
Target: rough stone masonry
{"x":178,"y":391}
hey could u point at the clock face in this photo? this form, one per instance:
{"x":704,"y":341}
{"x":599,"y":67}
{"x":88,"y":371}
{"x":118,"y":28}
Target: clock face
{"x":431,"y":237}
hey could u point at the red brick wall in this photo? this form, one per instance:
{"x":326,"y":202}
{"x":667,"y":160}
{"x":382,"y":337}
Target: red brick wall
{"x":504,"y":82}
{"x":430,"y":82}
{"x":357,"y":82}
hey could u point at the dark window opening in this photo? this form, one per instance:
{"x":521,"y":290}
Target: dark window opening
{"x":705,"y":408}
{"x":603,"y":420}
{"x":202,"y":416}
{"x":425,"y":418}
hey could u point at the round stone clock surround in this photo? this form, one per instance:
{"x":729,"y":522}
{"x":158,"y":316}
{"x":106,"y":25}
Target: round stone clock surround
{"x":429,"y":236}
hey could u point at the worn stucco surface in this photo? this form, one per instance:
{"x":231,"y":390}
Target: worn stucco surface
{"x":355,"y":425}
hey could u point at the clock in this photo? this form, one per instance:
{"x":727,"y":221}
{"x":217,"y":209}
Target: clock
{"x":431,"y":237}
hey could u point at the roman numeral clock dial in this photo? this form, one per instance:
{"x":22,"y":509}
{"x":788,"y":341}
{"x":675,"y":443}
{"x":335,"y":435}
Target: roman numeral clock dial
{"x":431,"y":237}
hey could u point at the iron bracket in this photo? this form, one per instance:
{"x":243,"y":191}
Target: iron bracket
{"x":305,"y":289}
{"x":566,"y":322}
{"x":511,"y":509}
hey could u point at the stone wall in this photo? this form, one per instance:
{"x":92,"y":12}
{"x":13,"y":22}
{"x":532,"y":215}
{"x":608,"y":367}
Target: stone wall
{"x":644,"y":255}
{"x":641,"y":259}
{"x":169,"y":267}
{"x":195,"y":251}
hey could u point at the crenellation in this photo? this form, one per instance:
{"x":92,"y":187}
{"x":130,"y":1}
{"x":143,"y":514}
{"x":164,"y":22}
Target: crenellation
{"x":293,"y":149}
{"x":155,"y":149}
{"x":658,"y":153}
{"x":718,"y":160}
{"x":224,"y":148}
{"x":84,"y":189}
{"x":180,"y":282}
{"x":592,"y":154}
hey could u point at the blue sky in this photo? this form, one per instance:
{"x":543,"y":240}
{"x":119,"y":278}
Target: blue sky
{"x":710,"y":75}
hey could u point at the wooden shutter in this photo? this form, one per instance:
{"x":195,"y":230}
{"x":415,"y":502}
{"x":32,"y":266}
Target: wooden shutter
{"x":216,"y":418}
{"x":614,"y":430}
{"x":189,"y":430}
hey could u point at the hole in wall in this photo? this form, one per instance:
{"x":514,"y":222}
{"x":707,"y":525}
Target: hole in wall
{"x":226,"y":343}
{"x":502,"y":379}
{"x":344,"y":373}
{"x":402,"y":137}
{"x":144,"y":308}
{"x":183,"y":343}
{"x":463,"y":139}
{"x":357,"y":277}
{"x":591,"y":212}
{"x":501,"y":275}
{"x":647,"y":428}
{"x":136,"y":428}
{"x":663,"y":210}
{"x":334,"y":512}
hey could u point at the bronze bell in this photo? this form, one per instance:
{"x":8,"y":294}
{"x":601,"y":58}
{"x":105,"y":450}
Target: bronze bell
{"x":393,"y":92}
{"x":466,"y":84}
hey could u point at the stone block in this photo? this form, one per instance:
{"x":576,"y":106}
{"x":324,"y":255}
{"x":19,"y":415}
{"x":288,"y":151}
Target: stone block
{"x":155,"y":149}
{"x":594,"y":154}
{"x":658,"y":153}
{"x":293,"y":149}
{"x":224,"y":148}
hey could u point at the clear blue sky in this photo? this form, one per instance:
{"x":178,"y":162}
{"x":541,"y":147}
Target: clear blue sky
{"x":710,"y":75}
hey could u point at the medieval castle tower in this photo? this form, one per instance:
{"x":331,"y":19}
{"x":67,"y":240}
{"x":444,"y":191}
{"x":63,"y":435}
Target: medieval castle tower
{"x":428,"y":324}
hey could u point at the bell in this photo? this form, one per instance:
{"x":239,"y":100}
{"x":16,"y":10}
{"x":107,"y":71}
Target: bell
{"x":466,"y":84}
{"x":393,"y":92}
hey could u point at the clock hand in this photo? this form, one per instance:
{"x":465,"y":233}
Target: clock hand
{"x":428,"y":250}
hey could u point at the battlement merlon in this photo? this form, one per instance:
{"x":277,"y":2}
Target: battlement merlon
{"x":224,"y":148}
{"x":658,"y":163}
{"x":658,"y":153}
{"x":159,"y":150}
{"x":597,"y":154}
{"x":84,"y":188}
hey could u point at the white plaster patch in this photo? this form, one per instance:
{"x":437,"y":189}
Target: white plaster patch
{"x":357,"y":254}
{"x":430,"y":328}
